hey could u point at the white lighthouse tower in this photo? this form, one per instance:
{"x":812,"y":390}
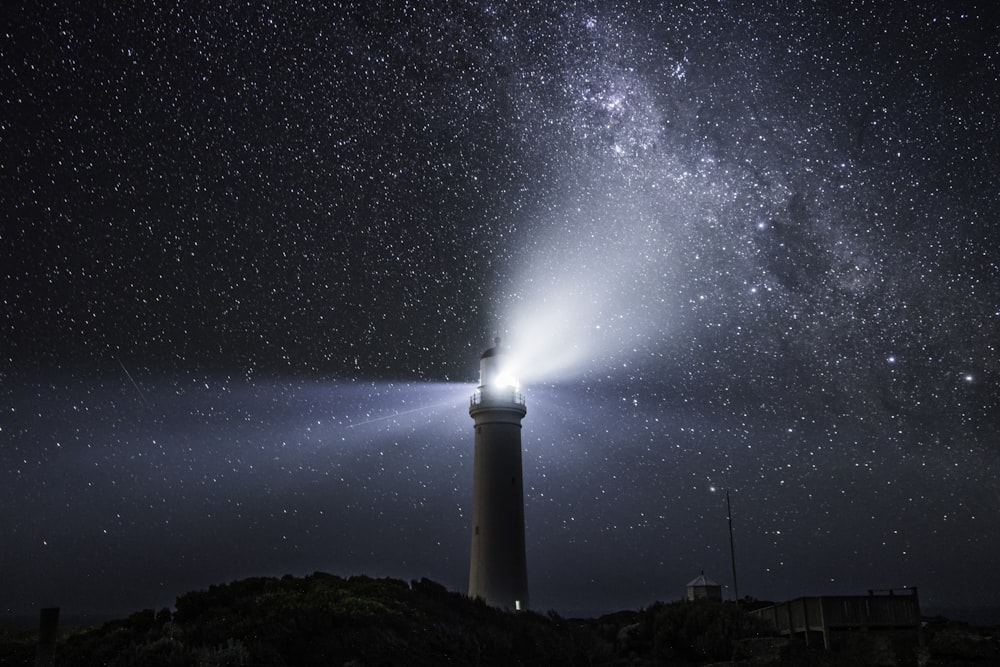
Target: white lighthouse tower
{"x":498,"y":571}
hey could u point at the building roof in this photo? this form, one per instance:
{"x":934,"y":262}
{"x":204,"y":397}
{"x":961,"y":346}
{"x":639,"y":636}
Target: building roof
{"x":702,"y":580}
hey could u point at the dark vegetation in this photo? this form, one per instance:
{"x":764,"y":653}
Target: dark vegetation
{"x":327,"y":620}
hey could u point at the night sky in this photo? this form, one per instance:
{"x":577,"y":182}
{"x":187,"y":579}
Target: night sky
{"x":250,"y":256}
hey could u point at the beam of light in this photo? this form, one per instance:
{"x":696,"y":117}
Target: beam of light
{"x":594,"y":292}
{"x":244,"y":447}
{"x":358,"y":412}
{"x":399,"y":413}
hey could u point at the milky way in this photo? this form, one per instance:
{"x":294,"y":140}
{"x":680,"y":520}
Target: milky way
{"x":251,"y":256}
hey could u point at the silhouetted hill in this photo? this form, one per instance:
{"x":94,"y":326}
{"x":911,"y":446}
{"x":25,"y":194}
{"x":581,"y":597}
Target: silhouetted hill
{"x":328,"y":620}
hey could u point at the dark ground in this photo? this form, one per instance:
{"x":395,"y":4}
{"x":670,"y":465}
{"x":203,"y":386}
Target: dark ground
{"x":327,"y":620}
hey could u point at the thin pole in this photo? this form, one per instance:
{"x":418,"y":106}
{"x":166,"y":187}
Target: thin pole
{"x":732,"y":549}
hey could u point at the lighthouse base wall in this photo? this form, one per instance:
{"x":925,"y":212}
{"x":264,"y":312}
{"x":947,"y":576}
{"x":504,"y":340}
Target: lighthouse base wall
{"x":498,"y":565}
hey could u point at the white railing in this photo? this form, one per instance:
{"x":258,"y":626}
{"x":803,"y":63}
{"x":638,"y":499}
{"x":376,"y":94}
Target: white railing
{"x":508,"y":395}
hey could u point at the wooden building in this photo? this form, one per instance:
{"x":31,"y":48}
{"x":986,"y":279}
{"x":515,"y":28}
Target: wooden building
{"x":891,"y":609}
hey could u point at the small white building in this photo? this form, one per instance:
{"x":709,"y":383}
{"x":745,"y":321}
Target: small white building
{"x":703,"y":588}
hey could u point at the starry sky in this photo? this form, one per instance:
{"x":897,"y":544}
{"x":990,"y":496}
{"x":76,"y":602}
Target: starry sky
{"x":251,"y":253}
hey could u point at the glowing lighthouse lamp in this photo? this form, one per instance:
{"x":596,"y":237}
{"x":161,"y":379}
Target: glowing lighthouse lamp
{"x":498,"y":571}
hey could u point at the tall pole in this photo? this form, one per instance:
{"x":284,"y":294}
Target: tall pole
{"x":732,"y":548}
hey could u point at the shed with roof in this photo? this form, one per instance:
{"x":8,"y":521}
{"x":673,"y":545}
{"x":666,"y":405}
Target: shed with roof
{"x":703,"y":588}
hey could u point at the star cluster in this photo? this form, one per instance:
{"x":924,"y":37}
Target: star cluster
{"x":252,"y":254}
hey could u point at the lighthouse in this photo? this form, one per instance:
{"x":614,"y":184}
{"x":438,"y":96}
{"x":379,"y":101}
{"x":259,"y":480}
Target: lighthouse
{"x":498,"y":571}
